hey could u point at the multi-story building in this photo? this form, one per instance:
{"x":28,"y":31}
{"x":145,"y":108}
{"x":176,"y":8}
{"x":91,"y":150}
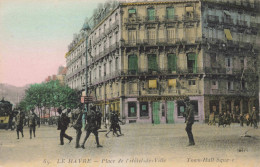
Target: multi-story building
{"x":76,"y":60}
{"x":145,"y":57}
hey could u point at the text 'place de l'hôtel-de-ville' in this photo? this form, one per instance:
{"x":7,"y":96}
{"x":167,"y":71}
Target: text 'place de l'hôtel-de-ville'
{"x":144,"y":57}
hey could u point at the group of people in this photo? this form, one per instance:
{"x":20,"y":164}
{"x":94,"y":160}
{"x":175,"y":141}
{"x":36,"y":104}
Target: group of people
{"x":93,"y":123}
{"x":227,"y":118}
{"x":32,"y":123}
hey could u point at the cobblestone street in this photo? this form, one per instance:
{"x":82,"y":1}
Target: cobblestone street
{"x":141,"y":145}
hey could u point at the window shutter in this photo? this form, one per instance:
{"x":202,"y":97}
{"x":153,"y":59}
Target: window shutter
{"x":170,"y":13}
{"x":151,"y":14}
{"x":132,"y":63}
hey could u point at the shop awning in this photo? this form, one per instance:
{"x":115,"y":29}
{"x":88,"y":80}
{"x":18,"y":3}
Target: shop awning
{"x":172,"y":82}
{"x":228,"y":34}
{"x":152,"y":84}
{"x":189,"y":9}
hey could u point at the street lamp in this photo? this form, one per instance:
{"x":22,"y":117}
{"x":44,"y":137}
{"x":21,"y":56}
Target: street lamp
{"x":87,"y":29}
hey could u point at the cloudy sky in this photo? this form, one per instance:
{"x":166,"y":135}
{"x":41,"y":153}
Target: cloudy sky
{"x":34,"y":35}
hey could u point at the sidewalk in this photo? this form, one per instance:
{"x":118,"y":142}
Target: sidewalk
{"x":141,"y":145}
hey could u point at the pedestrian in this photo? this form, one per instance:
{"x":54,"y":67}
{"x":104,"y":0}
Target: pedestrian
{"x":19,"y":122}
{"x":117,"y":120}
{"x":77,"y":124}
{"x":99,"y":118}
{"x":113,"y":125}
{"x":247,"y":119}
{"x":254,"y":117}
{"x":220,"y":120}
{"x":32,"y":122}
{"x":241,"y":120}
{"x":63,"y":122}
{"x":91,"y":126}
{"x":189,"y":120}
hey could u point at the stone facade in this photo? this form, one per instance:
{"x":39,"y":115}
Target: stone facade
{"x":145,"y":57}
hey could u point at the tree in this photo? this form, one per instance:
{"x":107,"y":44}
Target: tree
{"x":49,"y":95}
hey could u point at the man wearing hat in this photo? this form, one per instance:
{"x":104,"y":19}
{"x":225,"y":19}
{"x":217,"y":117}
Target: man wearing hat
{"x":77,"y":123}
{"x":19,"y":122}
{"x":190,"y":120}
{"x":63,"y":123}
{"x":91,"y":126}
{"x":32,"y":122}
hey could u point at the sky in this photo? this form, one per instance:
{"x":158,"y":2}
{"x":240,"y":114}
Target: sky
{"x":35,"y":34}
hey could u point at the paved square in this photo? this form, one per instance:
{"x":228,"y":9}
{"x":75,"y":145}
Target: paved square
{"x":141,"y":145}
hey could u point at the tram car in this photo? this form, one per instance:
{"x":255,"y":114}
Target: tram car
{"x":6,"y":114}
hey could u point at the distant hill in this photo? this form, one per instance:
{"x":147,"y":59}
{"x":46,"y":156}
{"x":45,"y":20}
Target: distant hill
{"x":12,"y":93}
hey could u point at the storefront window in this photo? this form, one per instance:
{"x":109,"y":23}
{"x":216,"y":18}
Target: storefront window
{"x":181,"y":108}
{"x":131,"y":109}
{"x":144,"y":109}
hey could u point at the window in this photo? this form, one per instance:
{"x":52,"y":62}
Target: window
{"x":151,"y":14}
{"x":192,"y":82}
{"x":181,"y":108}
{"x":105,"y":69}
{"x":170,"y":33}
{"x":144,"y":112}
{"x":151,"y":34}
{"x":116,"y":63}
{"x":132,"y":36}
{"x":230,"y":85}
{"x":229,"y":62}
{"x":214,"y":84}
{"x":170,"y":12}
{"x":132,"y":64}
{"x":131,"y":109}
{"x":152,"y":63}
{"x":99,"y":71}
{"x":189,"y":11}
{"x":172,"y":63}
{"x":213,"y":59}
{"x":110,"y":67}
{"x":131,"y":11}
{"x":192,"y":62}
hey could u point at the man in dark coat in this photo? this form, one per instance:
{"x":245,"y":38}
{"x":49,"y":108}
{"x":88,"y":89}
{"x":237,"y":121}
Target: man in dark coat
{"x":77,"y":124}
{"x":91,"y":126}
{"x":254,"y":117}
{"x":190,"y":120}
{"x":32,"y":122}
{"x":19,"y":123}
{"x":99,"y":118}
{"x":114,"y":124}
{"x":63,"y":123}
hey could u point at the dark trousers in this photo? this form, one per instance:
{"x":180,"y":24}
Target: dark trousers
{"x":189,"y":132}
{"x":78,"y":132}
{"x":95,"y":132}
{"x":255,"y":123}
{"x":99,"y":123}
{"x":62,"y":135}
{"x":32,"y":128}
{"x":19,"y":129}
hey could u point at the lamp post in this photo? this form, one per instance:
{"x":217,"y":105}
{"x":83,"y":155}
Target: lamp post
{"x":86,"y":28}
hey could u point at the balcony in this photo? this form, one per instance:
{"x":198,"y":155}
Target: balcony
{"x":149,"y":41}
{"x":171,"y":19}
{"x":186,"y":18}
{"x":152,"y":91}
{"x":228,"y":21}
{"x":213,"y":19}
{"x":133,"y":20}
{"x":242,"y":23}
{"x":151,"y":19}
